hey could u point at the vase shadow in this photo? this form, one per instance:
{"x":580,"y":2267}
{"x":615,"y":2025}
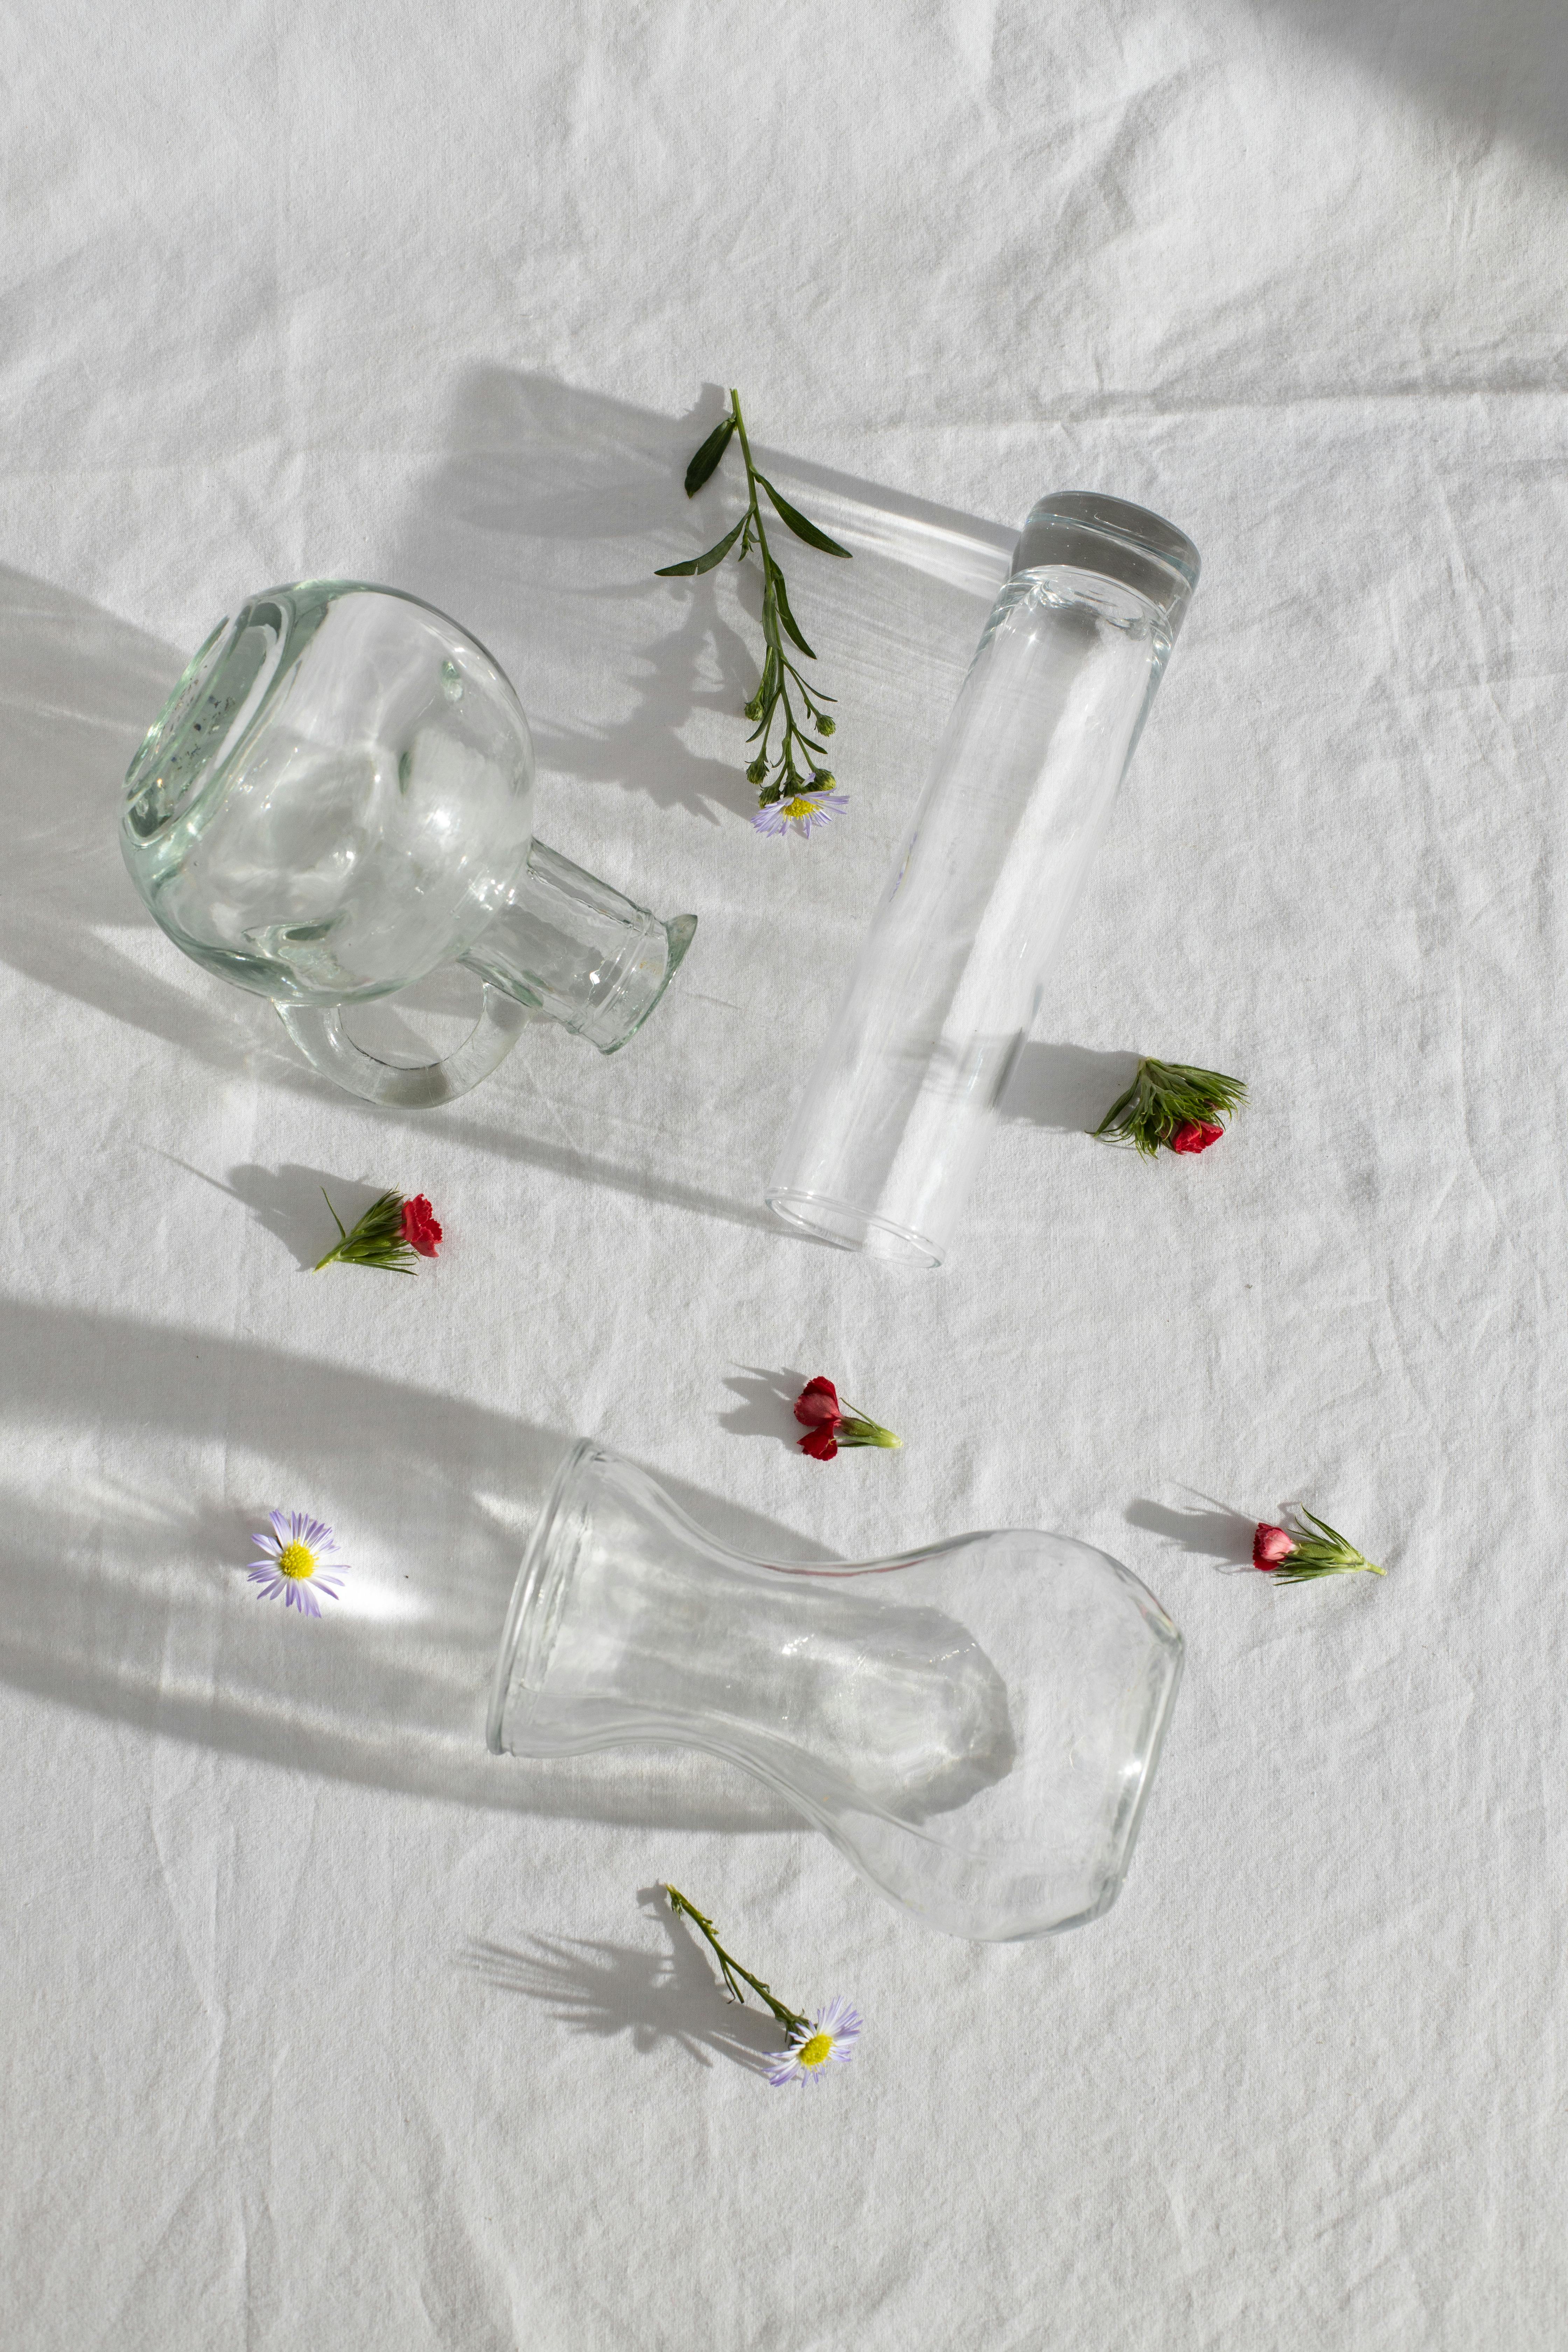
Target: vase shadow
{"x":542,"y":529}
{"x":605,"y":1991}
{"x":1067,"y":1089}
{"x":78,"y":688}
{"x":153,"y":1454}
{"x":1501,"y":69}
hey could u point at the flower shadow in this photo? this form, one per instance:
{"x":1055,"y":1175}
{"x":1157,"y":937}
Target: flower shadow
{"x":1218,"y":1533}
{"x":766,"y":1407}
{"x":295,"y":1204}
{"x":606,"y":1990}
{"x":1067,"y":1089}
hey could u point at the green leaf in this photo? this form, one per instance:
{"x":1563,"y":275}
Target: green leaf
{"x":708,"y":456}
{"x":799,"y":525}
{"x":787,"y":617}
{"x":1163,"y":1097}
{"x":701,"y":563}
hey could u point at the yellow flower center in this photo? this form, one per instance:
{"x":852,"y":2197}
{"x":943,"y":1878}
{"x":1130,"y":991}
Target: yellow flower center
{"x":818,"y":2051}
{"x":297,"y":1559}
{"x":798,"y":807}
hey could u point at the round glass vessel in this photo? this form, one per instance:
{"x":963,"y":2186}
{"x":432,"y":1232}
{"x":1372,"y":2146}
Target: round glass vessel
{"x":337,"y":800}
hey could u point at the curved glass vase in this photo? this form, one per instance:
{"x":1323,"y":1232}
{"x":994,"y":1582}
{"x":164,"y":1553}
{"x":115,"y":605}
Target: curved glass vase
{"x":974,"y":1725}
{"x":337,"y":799}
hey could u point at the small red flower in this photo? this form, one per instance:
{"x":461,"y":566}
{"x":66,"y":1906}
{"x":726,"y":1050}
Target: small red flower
{"x":817,"y":1405}
{"x":1197,"y":1134}
{"x":830,"y":1425}
{"x":420,"y":1230}
{"x":1270,"y":1545}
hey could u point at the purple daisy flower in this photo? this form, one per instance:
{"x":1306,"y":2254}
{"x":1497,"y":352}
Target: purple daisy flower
{"x":292,"y":1561}
{"x":802,"y":810}
{"x":820,"y":2041}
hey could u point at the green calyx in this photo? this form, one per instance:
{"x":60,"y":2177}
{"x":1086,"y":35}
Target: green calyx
{"x":1323,"y":1553}
{"x":855,"y":1430}
{"x":1165,"y":1097}
{"x":376,"y":1240}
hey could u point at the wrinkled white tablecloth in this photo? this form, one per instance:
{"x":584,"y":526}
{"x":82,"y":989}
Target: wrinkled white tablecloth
{"x":322,"y":2028}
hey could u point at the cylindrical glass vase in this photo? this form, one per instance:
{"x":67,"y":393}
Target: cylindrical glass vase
{"x":897,"y":1113}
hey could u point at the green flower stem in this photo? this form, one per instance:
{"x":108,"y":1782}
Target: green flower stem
{"x":1327,"y":1553}
{"x":731,"y":1968}
{"x":377,"y":1240}
{"x":772,"y":582}
{"x":1165,"y":1097}
{"x":804,"y":735}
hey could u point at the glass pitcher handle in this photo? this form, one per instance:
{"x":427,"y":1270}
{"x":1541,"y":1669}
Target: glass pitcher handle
{"x":322,"y":1039}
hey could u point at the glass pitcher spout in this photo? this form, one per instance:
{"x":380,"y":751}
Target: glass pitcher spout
{"x":571,"y":947}
{"x":974,"y":1725}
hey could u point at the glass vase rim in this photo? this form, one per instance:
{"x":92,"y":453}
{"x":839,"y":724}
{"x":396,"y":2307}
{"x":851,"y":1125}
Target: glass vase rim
{"x":1122,"y":522}
{"x":791,"y":1204}
{"x":219,"y":643}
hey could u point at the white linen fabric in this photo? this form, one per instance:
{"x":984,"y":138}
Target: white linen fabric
{"x":322,"y":2027}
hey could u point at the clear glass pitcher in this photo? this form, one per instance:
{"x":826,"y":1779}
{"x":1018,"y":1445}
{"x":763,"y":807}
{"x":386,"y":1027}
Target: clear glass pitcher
{"x":974,"y":1725}
{"x":337,"y":799}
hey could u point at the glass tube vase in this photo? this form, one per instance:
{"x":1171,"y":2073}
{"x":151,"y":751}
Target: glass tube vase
{"x":894,"y":1120}
{"x":974,"y":1725}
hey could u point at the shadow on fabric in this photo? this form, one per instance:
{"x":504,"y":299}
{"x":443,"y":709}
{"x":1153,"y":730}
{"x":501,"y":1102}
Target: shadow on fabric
{"x":1218,"y":1533}
{"x":542,"y":531}
{"x":1501,"y":69}
{"x":606,"y":1990}
{"x":123,"y":1591}
{"x":77,"y":690}
{"x":1067,"y":1089}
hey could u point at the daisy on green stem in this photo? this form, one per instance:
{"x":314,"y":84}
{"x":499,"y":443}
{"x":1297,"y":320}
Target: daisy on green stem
{"x":815,"y":2042}
{"x":815,"y":803}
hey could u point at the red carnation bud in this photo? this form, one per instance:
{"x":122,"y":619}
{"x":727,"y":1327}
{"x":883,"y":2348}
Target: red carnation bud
{"x":829,"y":1425}
{"x":420,"y":1230}
{"x":1270,"y":1545}
{"x":817,"y":1405}
{"x":1197,"y":1134}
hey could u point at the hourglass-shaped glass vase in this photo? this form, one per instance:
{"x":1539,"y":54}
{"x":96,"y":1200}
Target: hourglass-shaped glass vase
{"x":337,"y":799}
{"x":974,"y":1725}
